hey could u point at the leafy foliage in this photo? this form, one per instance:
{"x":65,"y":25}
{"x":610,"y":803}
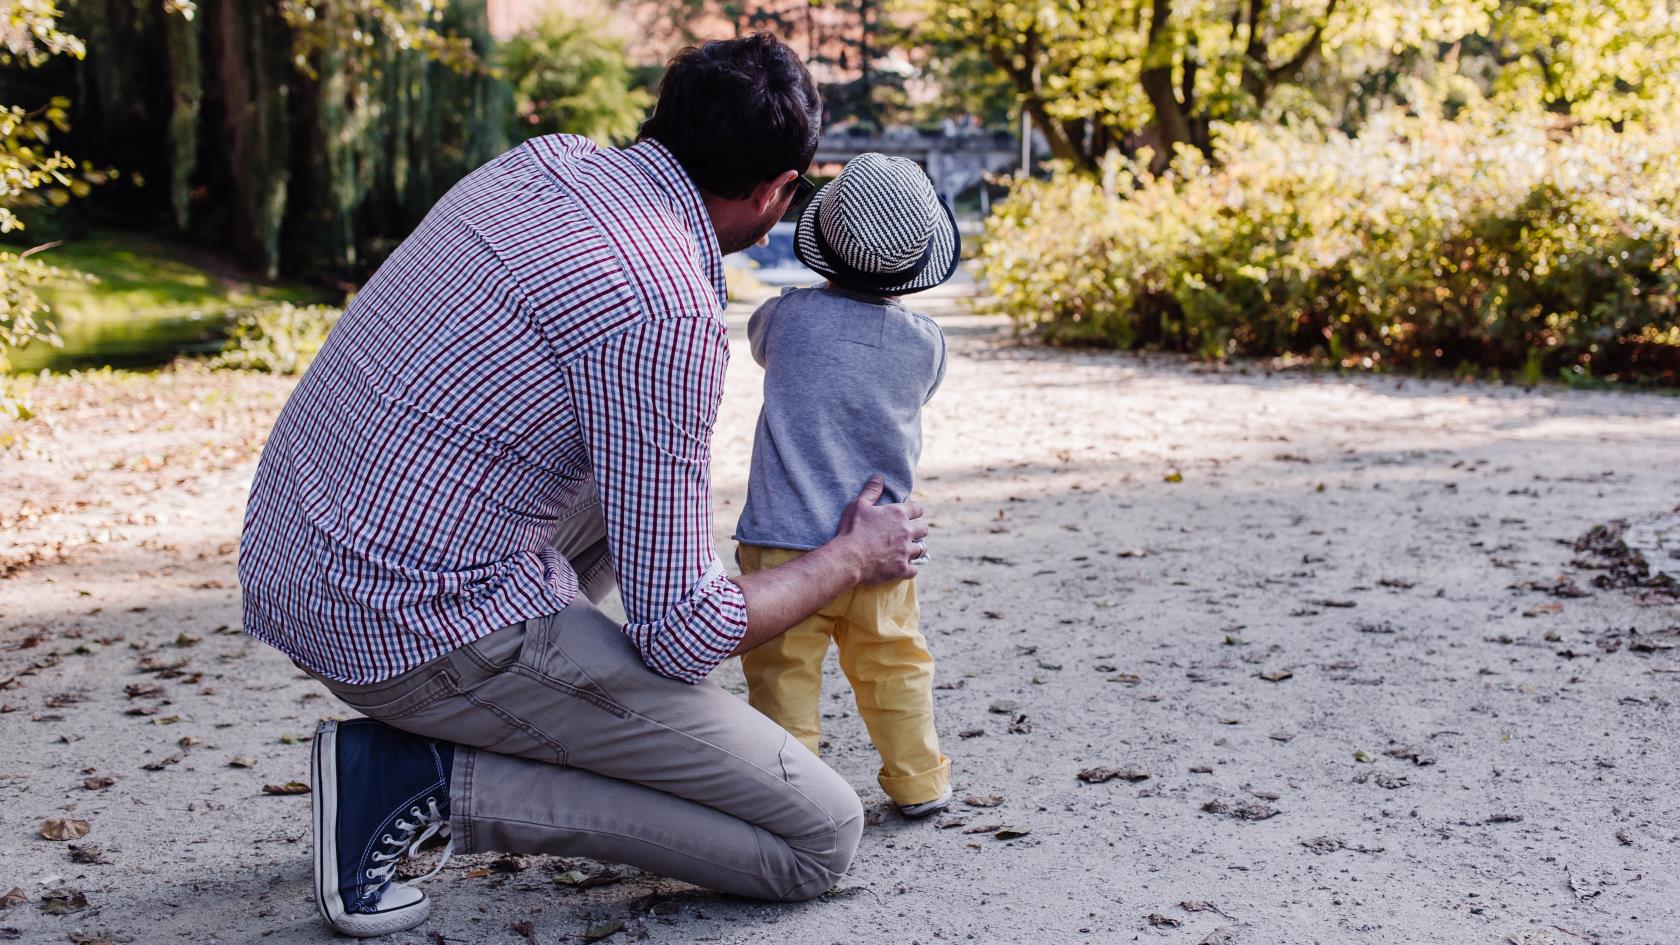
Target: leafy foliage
{"x":370,"y":30}
{"x":29,"y":33}
{"x":1488,"y":240}
{"x":570,"y":75}
{"x":277,"y":339}
{"x":1168,"y":73}
{"x":298,"y":136}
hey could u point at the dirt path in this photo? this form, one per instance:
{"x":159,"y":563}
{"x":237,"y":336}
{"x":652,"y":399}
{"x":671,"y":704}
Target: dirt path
{"x":1339,"y":623}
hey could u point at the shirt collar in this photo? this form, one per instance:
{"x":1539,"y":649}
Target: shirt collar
{"x":661,"y":166}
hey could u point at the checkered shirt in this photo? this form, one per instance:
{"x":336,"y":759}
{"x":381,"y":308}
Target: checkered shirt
{"x":555,"y":318}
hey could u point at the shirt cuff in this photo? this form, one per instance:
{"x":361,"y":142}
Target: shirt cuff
{"x":690,"y":639}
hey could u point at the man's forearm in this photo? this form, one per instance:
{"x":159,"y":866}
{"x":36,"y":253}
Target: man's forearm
{"x":782,"y":596}
{"x":875,"y":543}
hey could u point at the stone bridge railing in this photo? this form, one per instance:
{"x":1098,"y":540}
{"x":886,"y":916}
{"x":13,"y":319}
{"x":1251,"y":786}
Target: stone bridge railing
{"x":954,"y":162}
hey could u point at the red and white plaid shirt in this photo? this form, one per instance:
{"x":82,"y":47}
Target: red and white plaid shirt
{"x":554,"y":318}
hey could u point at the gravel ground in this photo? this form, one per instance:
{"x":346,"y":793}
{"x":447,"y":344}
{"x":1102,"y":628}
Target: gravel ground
{"x":1334,"y":637}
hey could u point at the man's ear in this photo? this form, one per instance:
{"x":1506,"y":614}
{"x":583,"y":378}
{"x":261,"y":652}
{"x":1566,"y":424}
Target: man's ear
{"x":770,"y":191}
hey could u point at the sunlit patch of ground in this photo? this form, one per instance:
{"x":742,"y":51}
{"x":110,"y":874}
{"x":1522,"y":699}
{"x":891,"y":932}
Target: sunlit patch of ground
{"x":1337,"y":635}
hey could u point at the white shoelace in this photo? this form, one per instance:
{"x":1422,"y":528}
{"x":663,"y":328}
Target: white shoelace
{"x":401,"y":846}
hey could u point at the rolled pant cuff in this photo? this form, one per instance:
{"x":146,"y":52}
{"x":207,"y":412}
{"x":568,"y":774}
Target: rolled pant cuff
{"x":918,"y":788}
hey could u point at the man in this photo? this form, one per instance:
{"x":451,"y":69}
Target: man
{"x":423,"y":528}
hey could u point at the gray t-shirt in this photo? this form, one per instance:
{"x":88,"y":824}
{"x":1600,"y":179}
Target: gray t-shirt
{"x":845,"y":377}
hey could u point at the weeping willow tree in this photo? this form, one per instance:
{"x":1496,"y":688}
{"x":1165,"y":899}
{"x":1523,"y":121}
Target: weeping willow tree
{"x":306,"y":136}
{"x":388,"y":123}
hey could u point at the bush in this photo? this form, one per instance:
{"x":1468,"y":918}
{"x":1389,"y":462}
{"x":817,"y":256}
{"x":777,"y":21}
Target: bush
{"x":276,"y":339}
{"x":1421,"y":243}
{"x":572,"y":74}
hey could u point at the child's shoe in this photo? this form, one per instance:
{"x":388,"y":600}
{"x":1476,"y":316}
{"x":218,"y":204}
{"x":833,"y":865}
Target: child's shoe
{"x":925,"y":808}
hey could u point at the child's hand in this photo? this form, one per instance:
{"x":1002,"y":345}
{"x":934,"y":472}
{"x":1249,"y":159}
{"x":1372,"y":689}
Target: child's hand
{"x":883,"y":538}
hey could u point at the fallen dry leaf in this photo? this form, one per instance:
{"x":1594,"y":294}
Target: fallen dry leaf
{"x":1412,"y":753}
{"x":986,"y":800}
{"x":1277,"y":675}
{"x":174,"y":759}
{"x":1099,"y":775}
{"x":290,"y":787}
{"x":63,"y":901}
{"x":1247,"y":811}
{"x":601,"y":930}
{"x":1198,"y":905}
{"x":509,"y":863}
{"x":88,"y":853}
{"x":582,"y":880}
{"x":64,"y":828}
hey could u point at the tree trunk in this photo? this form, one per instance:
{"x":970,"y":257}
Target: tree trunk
{"x":1259,"y":75}
{"x":1172,"y":122}
{"x":254,"y":109}
{"x":186,"y":87}
{"x":1025,"y":77}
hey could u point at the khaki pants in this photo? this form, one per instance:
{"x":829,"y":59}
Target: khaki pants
{"x":882,"y":652}
{"x":569,"y":745}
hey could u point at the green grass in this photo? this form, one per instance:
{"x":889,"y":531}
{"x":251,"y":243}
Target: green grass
{"x":151,"y":301}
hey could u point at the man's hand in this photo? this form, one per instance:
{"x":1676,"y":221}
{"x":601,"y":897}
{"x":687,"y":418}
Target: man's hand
{"x":882,"y":539}
{"x":875,"y":544}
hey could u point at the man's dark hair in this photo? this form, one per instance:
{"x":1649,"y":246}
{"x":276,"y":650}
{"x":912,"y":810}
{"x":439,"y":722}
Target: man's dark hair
{"x":737,"y":112}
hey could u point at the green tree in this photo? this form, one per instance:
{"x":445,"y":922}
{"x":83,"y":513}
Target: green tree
{"x":1595,"y":60}
{"x":1095,"y":74}
{"x":569,"y":74}
{"x":299,"y":136}
{"x":1100,"y":74}
{"x":29,"y":169}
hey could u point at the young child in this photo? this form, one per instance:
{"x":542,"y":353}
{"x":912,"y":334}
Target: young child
{"x":847,"y":368}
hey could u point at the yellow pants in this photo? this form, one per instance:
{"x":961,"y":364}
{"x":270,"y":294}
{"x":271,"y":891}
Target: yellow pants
{"x":882,"y":652}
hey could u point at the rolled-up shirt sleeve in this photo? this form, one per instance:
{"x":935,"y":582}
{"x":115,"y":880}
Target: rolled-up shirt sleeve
{"x":646,"y":400}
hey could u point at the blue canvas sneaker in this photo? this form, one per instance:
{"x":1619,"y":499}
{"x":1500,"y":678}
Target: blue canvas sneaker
{"x":379,"y":793}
